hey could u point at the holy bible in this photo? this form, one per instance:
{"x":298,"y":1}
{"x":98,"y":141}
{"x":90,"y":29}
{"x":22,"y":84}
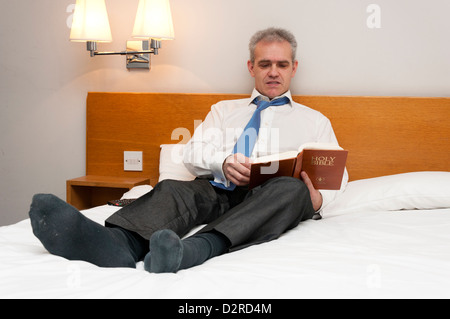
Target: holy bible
{"x":324,"y":164}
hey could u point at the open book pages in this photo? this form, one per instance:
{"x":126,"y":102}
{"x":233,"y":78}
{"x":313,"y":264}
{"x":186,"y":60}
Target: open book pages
{"x":292,"y":154}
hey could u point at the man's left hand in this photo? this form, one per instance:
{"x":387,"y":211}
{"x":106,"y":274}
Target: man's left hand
{"x":316,"y":196}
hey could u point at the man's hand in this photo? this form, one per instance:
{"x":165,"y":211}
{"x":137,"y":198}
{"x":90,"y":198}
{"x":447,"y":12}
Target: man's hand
{"x":236,"y":168}
{"x":316,"y":196}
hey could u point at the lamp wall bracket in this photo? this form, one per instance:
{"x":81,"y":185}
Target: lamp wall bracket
{"x":137,"y":52}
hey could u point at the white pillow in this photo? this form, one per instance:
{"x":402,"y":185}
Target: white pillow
{"x":417,"y":190}
{"x":171,"y":164}
{"x":137,"y":191}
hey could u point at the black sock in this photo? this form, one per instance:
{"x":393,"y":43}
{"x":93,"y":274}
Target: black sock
{"x":201,"y":247}
{"x":169,"y":254}
{"x":65,"y":232}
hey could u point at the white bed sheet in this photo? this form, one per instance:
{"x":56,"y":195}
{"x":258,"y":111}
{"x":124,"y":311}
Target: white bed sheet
{"x":364,"y":254}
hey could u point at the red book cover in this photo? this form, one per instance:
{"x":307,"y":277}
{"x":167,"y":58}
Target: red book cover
{"x":325,"y":167}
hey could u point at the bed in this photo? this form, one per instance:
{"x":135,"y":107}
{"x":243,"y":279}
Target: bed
{"x":386,"y":236}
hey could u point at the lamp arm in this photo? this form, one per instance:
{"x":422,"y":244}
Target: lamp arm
{"x":154,"y":46}
{"x":154,"y":51}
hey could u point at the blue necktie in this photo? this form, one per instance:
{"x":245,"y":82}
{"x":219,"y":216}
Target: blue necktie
{"x":246,"y":142}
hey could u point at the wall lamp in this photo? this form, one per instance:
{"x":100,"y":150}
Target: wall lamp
{"x":153,"y":23}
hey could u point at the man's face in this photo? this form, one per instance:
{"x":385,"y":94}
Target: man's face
{"x":273,"y":69}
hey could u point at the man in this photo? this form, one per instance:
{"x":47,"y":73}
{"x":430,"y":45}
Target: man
{"x":219,"y":154}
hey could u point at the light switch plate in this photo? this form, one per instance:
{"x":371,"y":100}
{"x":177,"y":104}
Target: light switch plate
{"x":132,"y":161}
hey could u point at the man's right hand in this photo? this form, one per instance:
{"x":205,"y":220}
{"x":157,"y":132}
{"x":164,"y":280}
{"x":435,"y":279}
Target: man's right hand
{"x":236,"y":168}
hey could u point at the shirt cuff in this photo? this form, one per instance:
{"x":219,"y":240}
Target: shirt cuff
{"x":217,"y":170}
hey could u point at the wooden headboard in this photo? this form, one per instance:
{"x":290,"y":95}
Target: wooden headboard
{"x":384,"y":135}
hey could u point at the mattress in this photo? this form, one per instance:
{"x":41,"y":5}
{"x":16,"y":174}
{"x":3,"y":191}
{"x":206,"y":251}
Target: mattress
{"x":386,"y":237}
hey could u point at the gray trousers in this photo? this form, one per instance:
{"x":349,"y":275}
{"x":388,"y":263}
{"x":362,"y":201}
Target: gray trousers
{"x":244,"y":217}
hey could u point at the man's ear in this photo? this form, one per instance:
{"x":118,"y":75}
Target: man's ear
{"x":250,"y":68}
{"x":295,"y":68}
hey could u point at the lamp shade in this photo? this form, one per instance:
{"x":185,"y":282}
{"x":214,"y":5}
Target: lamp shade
{"x":154,"y":20}
{"x":90,"y":22}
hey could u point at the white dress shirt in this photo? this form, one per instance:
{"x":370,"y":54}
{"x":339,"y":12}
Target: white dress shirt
{"x":283,"y":128}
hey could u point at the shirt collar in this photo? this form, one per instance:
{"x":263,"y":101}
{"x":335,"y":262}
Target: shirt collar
{"x":256,"y":94}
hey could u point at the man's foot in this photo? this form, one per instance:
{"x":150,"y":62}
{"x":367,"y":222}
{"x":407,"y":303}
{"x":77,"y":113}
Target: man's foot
{"x":67,"y":233}
{"x":166,"y":252}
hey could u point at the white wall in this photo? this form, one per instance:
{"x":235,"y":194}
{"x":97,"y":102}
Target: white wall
{"x":44,"y":78}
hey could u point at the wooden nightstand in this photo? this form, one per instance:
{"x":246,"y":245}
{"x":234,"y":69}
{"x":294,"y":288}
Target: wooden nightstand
{"x":90,"y":191}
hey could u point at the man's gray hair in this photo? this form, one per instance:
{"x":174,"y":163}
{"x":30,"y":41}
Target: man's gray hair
{"x":272,"y":35}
